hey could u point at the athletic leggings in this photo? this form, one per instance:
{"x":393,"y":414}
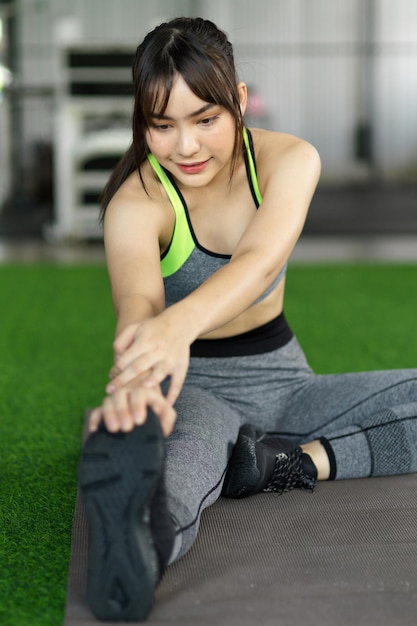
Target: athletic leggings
{"x":369,"y":419}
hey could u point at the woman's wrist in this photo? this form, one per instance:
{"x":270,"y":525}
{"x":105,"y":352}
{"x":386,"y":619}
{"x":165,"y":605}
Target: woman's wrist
{"x":185,"y":321}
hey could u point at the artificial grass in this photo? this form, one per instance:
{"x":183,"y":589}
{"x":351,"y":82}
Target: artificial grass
{"x":55,"y":346}
{"x":55,"y":342}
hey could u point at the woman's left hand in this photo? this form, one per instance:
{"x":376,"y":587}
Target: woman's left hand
{"x":128,"y":407}
{"x":156,"y":346}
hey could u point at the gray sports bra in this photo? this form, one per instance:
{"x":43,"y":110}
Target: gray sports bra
{"x":186,"y":264}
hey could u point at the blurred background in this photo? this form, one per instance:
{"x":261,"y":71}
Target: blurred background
{"x":341,"y":74}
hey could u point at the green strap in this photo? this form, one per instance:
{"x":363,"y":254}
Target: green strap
{"x":182,"y":243}
{"x":252,"y":167}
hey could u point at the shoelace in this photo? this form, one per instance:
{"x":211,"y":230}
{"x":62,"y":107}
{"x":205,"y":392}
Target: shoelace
{"x":288,"y":474}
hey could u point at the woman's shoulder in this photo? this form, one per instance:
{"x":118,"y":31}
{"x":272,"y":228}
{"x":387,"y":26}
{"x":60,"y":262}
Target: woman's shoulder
{"x":277,"y":150}
{"x":139,"y":206}
{"x":138,"y":194}
{"x":269,"y":143}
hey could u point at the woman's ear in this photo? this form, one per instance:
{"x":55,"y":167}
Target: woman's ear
{"x":243,"y":96}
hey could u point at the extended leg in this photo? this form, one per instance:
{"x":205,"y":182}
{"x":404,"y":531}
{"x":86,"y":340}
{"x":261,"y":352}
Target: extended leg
{"x":197,"y":455}
{"x":354,"y":425}
{"x":368,"y":419}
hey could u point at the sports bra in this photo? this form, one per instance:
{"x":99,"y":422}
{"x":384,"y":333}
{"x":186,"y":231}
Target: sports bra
{"x":186,"y":264}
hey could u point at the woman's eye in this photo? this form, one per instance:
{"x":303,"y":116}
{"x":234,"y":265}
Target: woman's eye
{"x":207,"y":121}
{"x":160,"y":127}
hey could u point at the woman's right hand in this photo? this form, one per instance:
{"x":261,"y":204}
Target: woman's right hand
{"x":128,"y":406}
{"x":156,"y":348}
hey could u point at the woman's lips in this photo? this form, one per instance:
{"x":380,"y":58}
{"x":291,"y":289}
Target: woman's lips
{"x":192,"y":168}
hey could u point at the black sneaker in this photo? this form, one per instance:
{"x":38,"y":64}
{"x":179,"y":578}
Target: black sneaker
{"x":263,"y":462}
{"x":130,"y":533}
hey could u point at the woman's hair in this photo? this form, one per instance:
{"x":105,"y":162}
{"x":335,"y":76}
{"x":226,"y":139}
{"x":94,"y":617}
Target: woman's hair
{"x":198,"y":51}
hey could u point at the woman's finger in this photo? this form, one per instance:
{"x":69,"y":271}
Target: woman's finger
{"x":114,"y":371}
{"x":94,"y":419}
{"x":164,"y":411}
{"x":138,"y":406}
{"x":134,"y":370}
{"x":124,"y":339}
{"x":117,"y":413}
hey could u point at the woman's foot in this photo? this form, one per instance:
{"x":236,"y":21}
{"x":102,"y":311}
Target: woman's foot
{"x":264,"y":462}
{"x":130,"y":532}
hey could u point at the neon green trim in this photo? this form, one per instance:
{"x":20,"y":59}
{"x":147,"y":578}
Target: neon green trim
{"x":252,"y":169}
{"x":182,"y":243}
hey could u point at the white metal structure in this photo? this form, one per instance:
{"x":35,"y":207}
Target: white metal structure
{"x":92,"y":131}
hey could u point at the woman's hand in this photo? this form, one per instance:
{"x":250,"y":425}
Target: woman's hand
{"x":156,"y":349}
{"x":127,"y":407}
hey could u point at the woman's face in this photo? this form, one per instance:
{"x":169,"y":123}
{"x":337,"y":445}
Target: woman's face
{"x":193,"y":139}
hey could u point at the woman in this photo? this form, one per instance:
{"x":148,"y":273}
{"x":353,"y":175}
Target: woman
{"x":200,"y":218}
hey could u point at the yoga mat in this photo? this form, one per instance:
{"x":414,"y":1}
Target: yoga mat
{"x":343,"y":555}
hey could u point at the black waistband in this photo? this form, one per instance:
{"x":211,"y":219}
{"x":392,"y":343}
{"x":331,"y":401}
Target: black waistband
{"x":271,"y":336}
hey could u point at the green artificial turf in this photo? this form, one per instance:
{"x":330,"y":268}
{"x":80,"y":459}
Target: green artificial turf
{"x":55,"y":346}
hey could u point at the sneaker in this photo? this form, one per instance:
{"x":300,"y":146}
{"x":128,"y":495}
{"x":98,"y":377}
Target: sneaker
{"x":263,"y":462}
{"x":130,"y":533}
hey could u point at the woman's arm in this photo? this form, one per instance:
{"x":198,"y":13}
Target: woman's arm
{"x":288,"y":173}
{"x":132,"y":230}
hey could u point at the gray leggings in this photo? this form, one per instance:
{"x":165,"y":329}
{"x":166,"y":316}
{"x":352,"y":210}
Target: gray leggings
{"x":369,"y":418}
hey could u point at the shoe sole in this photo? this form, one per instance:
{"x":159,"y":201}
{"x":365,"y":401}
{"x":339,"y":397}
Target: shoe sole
{"x":118,"y":476}
{"x":242,"y":475}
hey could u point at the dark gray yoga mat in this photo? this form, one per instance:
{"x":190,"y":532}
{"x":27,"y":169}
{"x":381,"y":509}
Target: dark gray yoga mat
{"x":345,"y":555}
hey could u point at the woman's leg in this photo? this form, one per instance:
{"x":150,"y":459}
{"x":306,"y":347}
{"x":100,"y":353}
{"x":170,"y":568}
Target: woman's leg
{"x":368,"y":418}
{"x":144,"y":495}
{"x":197,"y":453}
{"x":350,"y":425}
{"x":278,"y":392}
